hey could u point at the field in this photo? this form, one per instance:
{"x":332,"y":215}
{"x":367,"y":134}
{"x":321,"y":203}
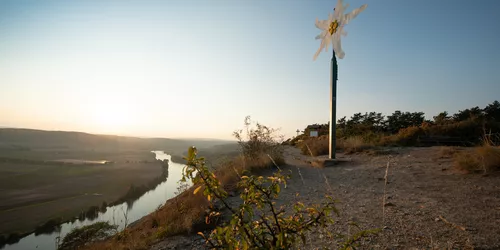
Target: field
{"x":35,"y":188}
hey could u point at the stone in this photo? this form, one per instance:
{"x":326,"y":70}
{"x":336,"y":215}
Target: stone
{"x":389,"y":204}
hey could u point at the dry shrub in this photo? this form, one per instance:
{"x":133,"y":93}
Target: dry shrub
{"x":409,"y":136}
{"x":389,"y":140}
{"x":485,"y":158}
{"x":467,"y":161}
{"x":256,"y":140}
{"x":315,"y":146}
{"x":320,"y":145}
{"x":489,"y":157}
{"x":447,"y":152}
{"x":354,"y":144}
{"x":229,"y":172}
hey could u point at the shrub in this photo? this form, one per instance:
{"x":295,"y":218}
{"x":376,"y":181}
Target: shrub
{"x":447,"y":152}
{"x":467,"y":161}
{"x":489,"y":157}
{"x":257,"y":223}
{"x":315,"y":146}
{"x":260,"y":140}
{"x":80,"y":236}
{"x":409,"y":136}
{"x":481,"y":159}
{"x":354,"y":144}
{"x":372,"y":137}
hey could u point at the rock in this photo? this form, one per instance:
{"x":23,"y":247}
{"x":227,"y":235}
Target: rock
{"x":437,"y":219}
{"x":389,"y":204}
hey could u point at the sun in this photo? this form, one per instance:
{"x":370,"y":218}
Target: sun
{"x":111,"y":117}
{"x":111,"y":114}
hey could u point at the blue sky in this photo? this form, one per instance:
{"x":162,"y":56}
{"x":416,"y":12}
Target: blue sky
{"x":195,"y":68}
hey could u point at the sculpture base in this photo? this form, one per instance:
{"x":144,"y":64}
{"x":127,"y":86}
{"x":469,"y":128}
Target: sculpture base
{"x":327,"y":163}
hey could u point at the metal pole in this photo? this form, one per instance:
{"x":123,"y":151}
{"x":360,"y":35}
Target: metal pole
{"x":333,"y":106}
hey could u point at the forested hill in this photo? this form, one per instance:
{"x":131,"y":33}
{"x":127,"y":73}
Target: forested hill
{"x":14,"y":138}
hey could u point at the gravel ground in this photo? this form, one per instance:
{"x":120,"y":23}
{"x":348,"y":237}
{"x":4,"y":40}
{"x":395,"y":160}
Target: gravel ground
{"x":427,"y":204}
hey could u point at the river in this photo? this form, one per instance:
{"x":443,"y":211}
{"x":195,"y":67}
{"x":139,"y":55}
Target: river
{"x":145,"y":205}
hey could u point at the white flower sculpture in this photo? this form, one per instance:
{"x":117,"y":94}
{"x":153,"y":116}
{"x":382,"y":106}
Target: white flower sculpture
{"x":333,"y":28}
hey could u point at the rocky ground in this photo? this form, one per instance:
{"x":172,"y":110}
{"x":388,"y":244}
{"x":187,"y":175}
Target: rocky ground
{"x":424,"y":204}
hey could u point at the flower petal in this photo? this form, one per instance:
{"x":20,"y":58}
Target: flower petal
{"x":339,"y":10}
{"x":318,"y":51}
{"x":327,"y":42}
{"x":337,"y":46}
{"x":323,"y":24}
{"x":353,"y":14}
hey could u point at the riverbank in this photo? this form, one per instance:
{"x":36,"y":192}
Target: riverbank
{"x":38,"y":195}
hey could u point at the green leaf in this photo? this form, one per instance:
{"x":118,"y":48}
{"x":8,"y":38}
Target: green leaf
{"x":197,"y":189}
{"x":244,"y":245}
{"x":192,"y":153}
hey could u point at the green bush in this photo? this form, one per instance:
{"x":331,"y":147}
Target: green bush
{"x":257,"y":223}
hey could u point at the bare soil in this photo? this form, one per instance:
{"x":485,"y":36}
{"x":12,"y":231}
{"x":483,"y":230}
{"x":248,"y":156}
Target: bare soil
{"x":422,"y":204}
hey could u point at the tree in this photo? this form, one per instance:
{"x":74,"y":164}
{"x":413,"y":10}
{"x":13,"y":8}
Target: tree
{"x":466,"y":114}
{"x":492,"y":111}
{"x":399,"y":120}
{"x":442,"y":118}
{"x":342,"y":122}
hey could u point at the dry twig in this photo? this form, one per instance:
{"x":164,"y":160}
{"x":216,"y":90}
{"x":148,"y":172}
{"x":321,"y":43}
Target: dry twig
{"x":452,"y":224}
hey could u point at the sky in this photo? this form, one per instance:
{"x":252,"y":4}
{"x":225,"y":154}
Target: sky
{"x":196,"y":68}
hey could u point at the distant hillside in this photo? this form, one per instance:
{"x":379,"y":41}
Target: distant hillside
{"x":14,"y":138}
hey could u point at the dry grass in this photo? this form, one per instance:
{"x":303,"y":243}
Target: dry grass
{"x":447,"y":152}
{"x":315,"y":146}
{"x":186,"y":212}
{"x":354,"y":144}
{"x":320,"y":145}
{"x":484,"y":159}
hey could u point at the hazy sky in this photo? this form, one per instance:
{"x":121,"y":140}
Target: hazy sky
{"x":196,"y":68}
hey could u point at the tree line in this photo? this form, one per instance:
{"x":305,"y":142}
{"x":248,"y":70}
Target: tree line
{"x":469,"y":124}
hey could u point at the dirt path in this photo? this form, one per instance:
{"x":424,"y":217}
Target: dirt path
{"x":427,"y":204}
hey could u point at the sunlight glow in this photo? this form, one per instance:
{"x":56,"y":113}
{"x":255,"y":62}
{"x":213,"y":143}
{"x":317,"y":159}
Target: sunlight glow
{"x":111,"y":113}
